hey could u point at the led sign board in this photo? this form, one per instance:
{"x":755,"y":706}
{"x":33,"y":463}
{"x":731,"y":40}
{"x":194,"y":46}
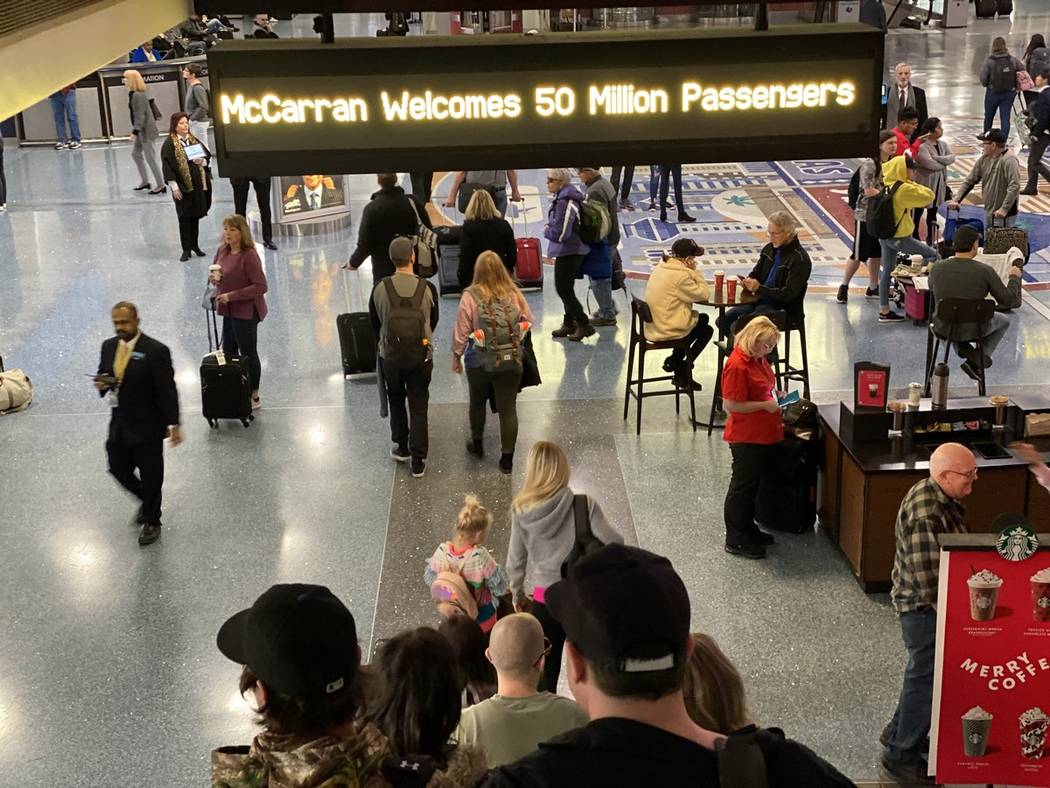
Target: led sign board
{"x":285,"y":107}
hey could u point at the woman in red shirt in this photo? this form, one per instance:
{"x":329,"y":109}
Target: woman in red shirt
{"x":754,"y":432}
{"x":241,"y":285}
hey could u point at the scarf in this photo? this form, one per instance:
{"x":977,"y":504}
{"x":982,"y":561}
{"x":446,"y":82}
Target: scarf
{"x":182,"y":164}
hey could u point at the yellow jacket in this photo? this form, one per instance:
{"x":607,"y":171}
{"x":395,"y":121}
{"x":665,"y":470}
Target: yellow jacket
{"x":672,"y":290}
{"x":909,"y":195}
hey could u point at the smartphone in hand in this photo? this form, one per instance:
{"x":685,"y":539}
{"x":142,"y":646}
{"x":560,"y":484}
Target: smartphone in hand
{"x":789,"y":398}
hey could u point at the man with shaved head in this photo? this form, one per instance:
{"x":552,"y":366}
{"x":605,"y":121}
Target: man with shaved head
{"x":931,"y":508}
{"x":512,"y":723}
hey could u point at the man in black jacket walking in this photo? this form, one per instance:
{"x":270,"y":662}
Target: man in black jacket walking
{"x":135,"y":373}
{"x":1040,"y":109}
{"x":390,"y":214}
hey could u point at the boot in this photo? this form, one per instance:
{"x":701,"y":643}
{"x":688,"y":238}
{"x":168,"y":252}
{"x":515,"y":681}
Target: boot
{"x":506,"y":462}
{"x":565,"y":330}
{"x":475,"y":448}
{"x":583,"y":330}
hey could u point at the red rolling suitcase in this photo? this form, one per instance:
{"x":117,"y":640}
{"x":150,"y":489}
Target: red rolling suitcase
{"x":529,"y":268}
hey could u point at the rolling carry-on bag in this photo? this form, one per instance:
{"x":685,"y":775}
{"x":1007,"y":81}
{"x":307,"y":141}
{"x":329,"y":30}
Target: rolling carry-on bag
{"x":448,"y":269}
{"x":1004,"y":7}
{"x":529,"y":267}
{"x":915,"y":303}
{"x":226,"y":384}
{"x":954,"y":220}
{"x":1001,"y":239}
{"x":787,"y":500}
{"x":357,"y":338}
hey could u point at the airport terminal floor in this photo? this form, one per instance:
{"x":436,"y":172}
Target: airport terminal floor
{"x":109,"y":675}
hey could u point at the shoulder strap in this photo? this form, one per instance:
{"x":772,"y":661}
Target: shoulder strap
{"x":391,"y":291}
{"x":417,"y":296}
{"x":582,"y":518}
{"x":741,"y":763}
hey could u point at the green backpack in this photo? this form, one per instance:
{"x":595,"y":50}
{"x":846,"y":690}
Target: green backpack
{"x":595,"y":221}
{"x":497,"y":344}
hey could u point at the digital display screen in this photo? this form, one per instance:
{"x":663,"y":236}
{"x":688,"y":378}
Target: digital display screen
{"x":462,"y":102}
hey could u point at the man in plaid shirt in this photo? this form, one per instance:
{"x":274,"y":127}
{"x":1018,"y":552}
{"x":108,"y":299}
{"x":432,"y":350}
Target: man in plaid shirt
{"x":931,"y":508}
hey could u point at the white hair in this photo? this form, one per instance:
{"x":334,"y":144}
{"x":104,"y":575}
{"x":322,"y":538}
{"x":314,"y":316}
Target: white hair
{"x":785,"y":221}
{"x":560,"y":174}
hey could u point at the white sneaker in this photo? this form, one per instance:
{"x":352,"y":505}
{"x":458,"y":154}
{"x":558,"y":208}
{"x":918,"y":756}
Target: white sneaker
{"x":61,"y":145}
{"x":3,"y":207}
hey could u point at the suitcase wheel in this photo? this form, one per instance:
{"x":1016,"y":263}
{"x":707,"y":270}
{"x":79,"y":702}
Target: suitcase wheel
{"x":246,"y":423}
{"x":213,"y":423}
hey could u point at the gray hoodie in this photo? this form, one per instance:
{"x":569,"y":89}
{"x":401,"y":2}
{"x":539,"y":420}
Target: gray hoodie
{"x":541,"y":538}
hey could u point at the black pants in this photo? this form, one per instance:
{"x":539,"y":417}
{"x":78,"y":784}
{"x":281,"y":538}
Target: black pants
{"x":931,"y":222}
{"x":556,"y":635}
{"x":409,"y":426}
{"x":422,"y":182}
{"x":3,"y":178}
{"x":751,"y":462}
{"x":504,"y":387}
{"x":698,"y":339}
{"x":628,"y":180}
{"x":241,"y":338}
{"x":1035,"y":163}
{"x":189,"y":233}
{"x":262,"y":197}
{"x":148,"y":458}
{"x":668,"y":171}
{"x":565,"y":269}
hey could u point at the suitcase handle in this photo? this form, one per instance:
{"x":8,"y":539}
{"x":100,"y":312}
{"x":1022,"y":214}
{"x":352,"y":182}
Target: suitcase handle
{"x":362,"y":304}
{"x":524,"y":217}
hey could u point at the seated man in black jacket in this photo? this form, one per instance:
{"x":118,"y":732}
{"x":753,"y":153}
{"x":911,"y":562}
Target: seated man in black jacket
{"x":780,"y":277}
{"x":391,"y":214}
{"x":1040,"y":109}
{"x":628,"y":679}
{"x":964,"y":277}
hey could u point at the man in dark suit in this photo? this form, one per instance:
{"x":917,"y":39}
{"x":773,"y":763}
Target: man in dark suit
{"x":135,"y":373}
{"x":903,"y":94}
{"x":315,"y":191}
{"x":262,"y":197}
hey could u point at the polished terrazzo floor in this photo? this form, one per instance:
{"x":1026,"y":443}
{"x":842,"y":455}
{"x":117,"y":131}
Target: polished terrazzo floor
{"x":108,"y":671}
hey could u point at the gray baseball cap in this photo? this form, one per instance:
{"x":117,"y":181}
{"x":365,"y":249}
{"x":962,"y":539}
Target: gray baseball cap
{"x":401,"y":250}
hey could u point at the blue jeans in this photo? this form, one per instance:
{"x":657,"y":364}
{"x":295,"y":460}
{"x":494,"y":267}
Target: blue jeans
{"x":890,"y":247}
{"x":654,"y":181}
{"x":743,"y":310}
{"x":602,"y":289}
{"x":1003,"y":102}
{"x":910,"y":725}
{"x":500,"y":198}
{"x":63,"y":107}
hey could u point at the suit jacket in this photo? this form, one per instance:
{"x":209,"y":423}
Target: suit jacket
{"x":149,"y":401}
{"x":299,"y":203}
{"x":916,"y":99}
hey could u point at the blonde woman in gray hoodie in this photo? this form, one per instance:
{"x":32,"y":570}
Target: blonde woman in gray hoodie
{"x":542,"y":534}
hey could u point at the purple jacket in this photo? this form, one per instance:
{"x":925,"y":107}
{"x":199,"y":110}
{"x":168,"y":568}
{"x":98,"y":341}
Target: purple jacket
{"x":563,"y":224}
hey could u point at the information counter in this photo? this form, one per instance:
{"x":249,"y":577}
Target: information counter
{"x":864,"y":481}
{"x":102,"y":102}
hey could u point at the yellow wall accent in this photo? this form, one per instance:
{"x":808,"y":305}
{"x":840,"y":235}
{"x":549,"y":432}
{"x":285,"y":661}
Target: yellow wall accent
{"x":37,"y":61}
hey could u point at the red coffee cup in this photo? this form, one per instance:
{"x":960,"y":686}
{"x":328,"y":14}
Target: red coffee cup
{"x":720,"y":278}
{"x":731,"y":290}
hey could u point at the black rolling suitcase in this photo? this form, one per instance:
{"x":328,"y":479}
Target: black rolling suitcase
{"x":787,"y":501}
{"x":357,"y":338}
{"x":985,"y":8}
{"x":1004,"y":7}
{"x":448,"y":269}
{"x":226,"y":385}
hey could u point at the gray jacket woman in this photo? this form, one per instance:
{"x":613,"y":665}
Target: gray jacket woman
{"x":931,"y":169}
{"x":143,"y":132}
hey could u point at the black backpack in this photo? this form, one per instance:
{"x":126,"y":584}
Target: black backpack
{"x":585,"y":542}
{"x":403,"y":344}
{"x":880,"y":221}
{"x":741,"y":762}
{"x":1003,"y":77}
{"x":853,"y":193}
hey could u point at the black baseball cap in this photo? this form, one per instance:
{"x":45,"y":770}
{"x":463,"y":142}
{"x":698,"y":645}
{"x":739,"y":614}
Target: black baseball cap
{"x":993,"y":135}
{"x":299,"y":639}
{"x":624,"y":608}
{"x":686,"y":247}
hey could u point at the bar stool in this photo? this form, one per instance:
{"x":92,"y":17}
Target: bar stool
{"x":640,"y":315}
{"x":785,"y":372}
{"x":954,"y":311}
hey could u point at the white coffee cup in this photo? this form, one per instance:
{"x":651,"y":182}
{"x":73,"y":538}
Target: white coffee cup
{"x":215,"y":273}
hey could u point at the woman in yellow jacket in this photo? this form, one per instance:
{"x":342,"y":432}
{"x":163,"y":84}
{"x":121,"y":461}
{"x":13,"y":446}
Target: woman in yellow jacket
{"x":908,"y":195}
{"x":674,"y":286}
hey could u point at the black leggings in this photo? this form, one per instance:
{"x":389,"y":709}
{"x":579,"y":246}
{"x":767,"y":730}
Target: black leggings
{"x":565,"y":269}
{"x":241,"y":338}
{"x":931,"y":222}
{"x":556,"y":635}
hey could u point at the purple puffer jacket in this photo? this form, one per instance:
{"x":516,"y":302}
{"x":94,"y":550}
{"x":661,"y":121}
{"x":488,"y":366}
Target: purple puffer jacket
{"x":563,"y":224}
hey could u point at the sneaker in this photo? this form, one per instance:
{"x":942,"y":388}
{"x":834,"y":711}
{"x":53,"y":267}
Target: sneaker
{"x":626,"y":205}
{"x":506,"y":463}
{"x":1029,"y":192}
{"x":3,"y":207}
{"x":582,"y":332}
{"x":687,"y":383}
{"x":565,"y":330}
{"x":652,"y":205}
{"x":685,"y":218}
{"x":603,"y":321}
{"x":871,"y":292}
{"x":670,"y":363}
{"x":61,"y":145}
{"x":890,"y":317}
{"x":752,"y":551}
{"x":74,"y":145}
{"x":843,"y":294}
{"x":418,"y":467}
{"x":475,"y":448}
{"x":908,"y":771}
{"x":400,"y":453}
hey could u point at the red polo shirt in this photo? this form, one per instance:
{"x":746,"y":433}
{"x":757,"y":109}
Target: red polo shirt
{"x":750,"y":379}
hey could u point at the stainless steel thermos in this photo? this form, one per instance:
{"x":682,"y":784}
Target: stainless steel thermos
{"x":939,"y":387}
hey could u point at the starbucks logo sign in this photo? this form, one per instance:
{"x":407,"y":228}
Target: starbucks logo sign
{"x":1017,"y":542}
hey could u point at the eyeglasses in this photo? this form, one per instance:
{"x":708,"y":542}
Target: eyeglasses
{"x":970,"y":474}
{"x":547,"y":646}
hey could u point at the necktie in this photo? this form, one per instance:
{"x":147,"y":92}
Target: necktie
{"x":313,"y":200}
{"x":120,"y":363}
{"x":904,"y":98}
